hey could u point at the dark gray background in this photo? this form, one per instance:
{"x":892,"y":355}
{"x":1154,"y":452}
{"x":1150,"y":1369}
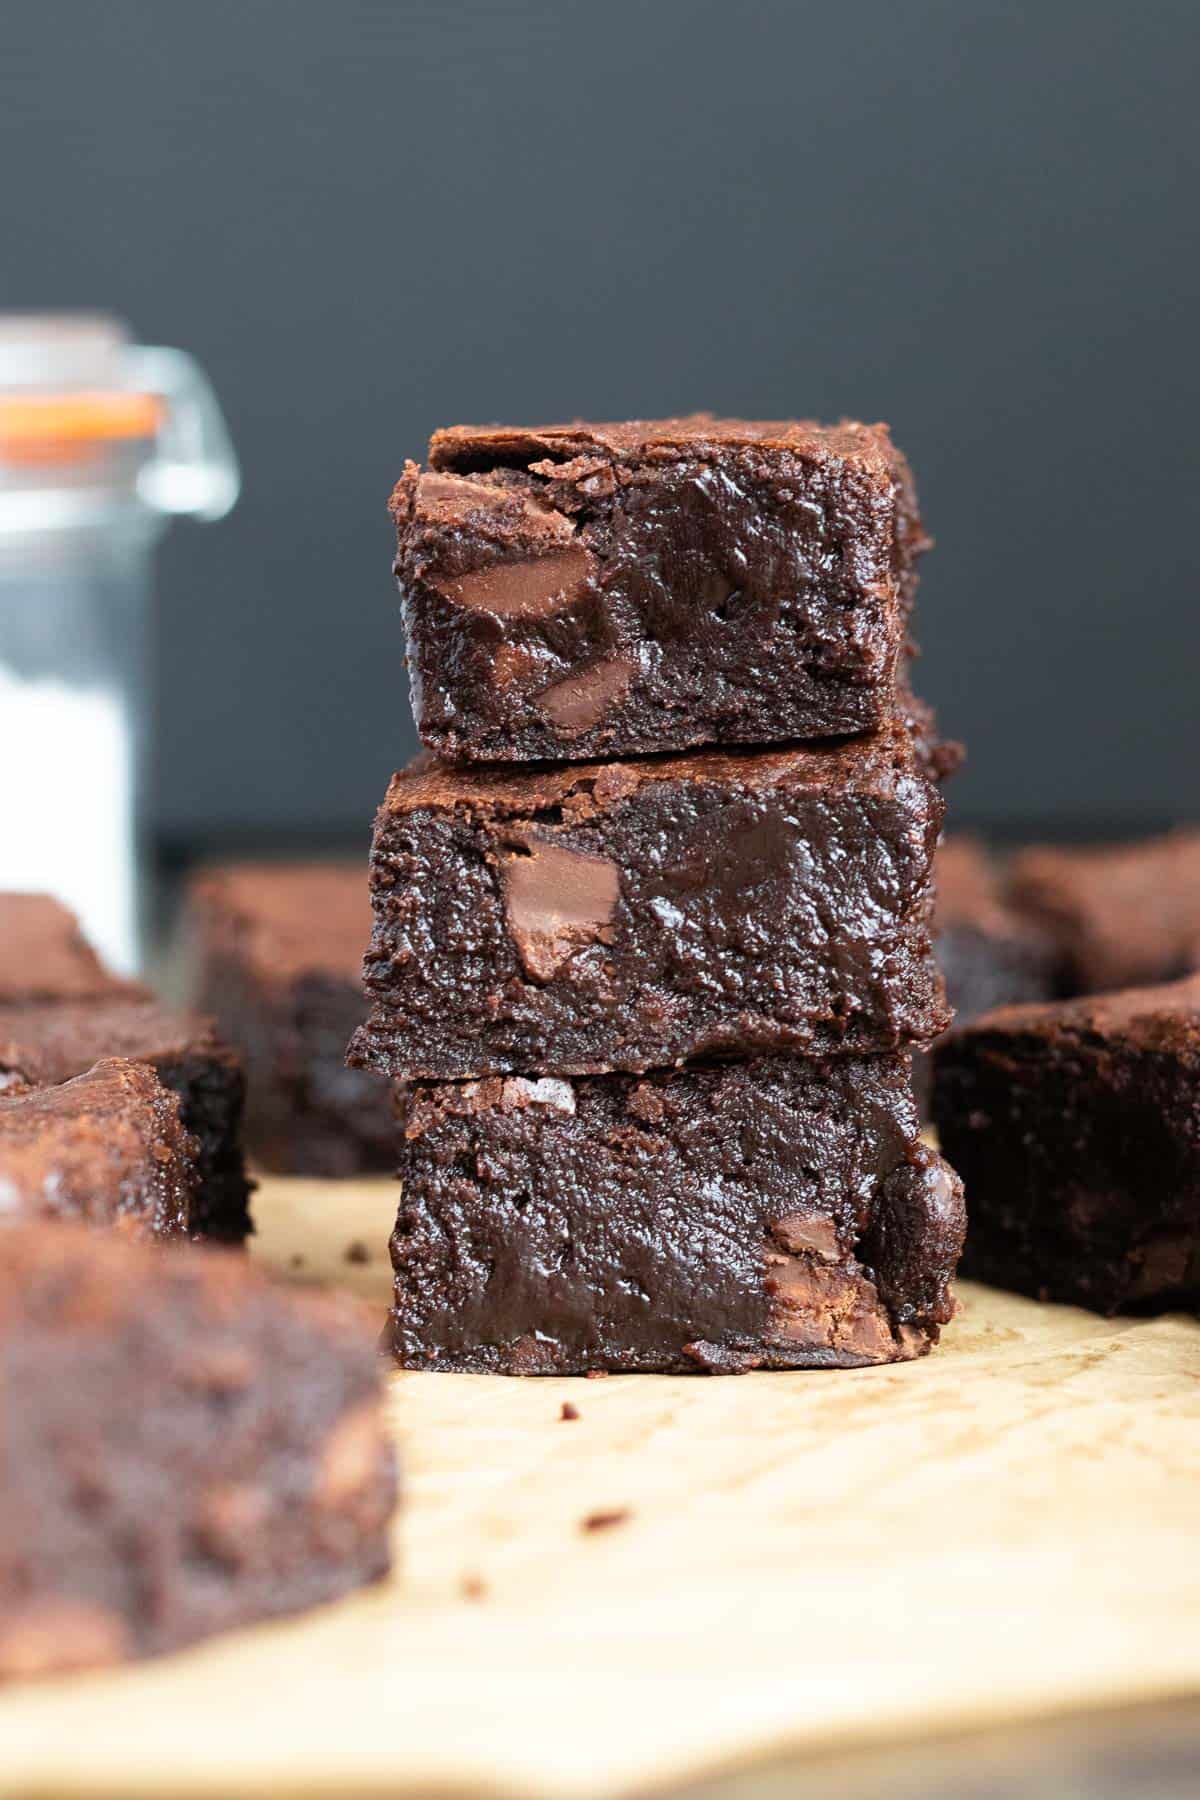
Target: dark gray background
{"x":367,"y":218}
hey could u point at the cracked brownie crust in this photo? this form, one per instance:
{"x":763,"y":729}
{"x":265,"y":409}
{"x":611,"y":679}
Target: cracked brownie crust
{"x":635,"y":915}
{"x":762,"y":1214}
{"x":187,"y":1448}
{"x":596,"y":590}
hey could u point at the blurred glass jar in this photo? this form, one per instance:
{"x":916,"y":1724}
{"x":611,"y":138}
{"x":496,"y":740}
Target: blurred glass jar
{"x":101,"y":441}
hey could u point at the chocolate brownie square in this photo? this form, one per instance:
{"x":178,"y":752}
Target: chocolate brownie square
{"x":45,"y":956}
{"x":592,"y":917}
{"x":1120,"y":915}
{"x":49,"y":1043}
{"x":771,"y":1213}
{"x":186,"y":1447}
{"x":1075,"y":1128}
{"x":108,"y":1148}
{"x":276,"y":956}
{"x":580,"y":591}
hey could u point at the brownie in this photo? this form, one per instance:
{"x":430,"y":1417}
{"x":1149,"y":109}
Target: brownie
{"x":1076,"y":1130}
{"x":580,"y":591}
{"x":108,"y":1148}
{"x":769,"y":1213}
{"x":1121,"y":915}
{"x":593,"y":917}
{"x":276,"y":952}
{"x":45,"y":956}
{"x":50,"y":1043}
{"x":187,"y":1448}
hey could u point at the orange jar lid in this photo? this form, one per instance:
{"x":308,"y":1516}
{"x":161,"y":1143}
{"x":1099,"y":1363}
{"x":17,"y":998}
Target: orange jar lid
{"x":55,"y":428}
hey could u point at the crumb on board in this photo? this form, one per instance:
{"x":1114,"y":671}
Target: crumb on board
{"x":296,"y":1261}
{"x":357,"y":1252}
{"x":596,"y":1375}
{"x":604,"y":1521}
{"x":568,"y":1411}
{"x":474,"y":1587}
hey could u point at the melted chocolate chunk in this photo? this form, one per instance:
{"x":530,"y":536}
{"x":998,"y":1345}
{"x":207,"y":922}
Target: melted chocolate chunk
{"x":556,"y":900}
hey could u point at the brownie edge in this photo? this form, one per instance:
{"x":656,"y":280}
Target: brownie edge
{"x":771,"y":1213}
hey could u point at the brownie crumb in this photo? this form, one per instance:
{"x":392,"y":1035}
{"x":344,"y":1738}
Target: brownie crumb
{"x":357,"y":1252}
{"x":596,"y":1375}
{"x":474,"y":1587}
{"x":296,"y":1261}
{"x":604,"y":1521}
{"x":569,"y":1411}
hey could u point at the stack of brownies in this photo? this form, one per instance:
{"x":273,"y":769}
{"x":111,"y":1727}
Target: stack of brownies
{"x":651,"y":925}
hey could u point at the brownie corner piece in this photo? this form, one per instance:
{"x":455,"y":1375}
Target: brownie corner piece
{"x":596,"y":590}
{"x":106,"y":1148}
{"x":635,"y":915}
{"x":1073,"y":1125}
{"x":772,"y":1213}
{"x":188,"y":1447}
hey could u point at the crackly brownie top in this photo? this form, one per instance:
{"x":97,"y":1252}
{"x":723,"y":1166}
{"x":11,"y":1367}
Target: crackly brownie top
{"x":1165,"y":1018}
{"x":865,"y":765}
{"x":286,"y":920}
{"x":463,"y":448}
{"x":50,"y":1043}
{"x":519,"y":487}
{"x":107,"y":1146}
{"x":45,"y":956}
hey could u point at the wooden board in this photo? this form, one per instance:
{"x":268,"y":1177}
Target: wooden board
{"x":1007,"y":1528}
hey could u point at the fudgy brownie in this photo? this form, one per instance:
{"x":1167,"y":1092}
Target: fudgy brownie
{"x":276,"y":952}
{"x":578,"y":591}
{"x":45,"y":956}
{"x":187,"y":1448}
{"x":1120,"y":915}
{"x":633,"y":915}
{"x":49,"y":1043}
{"x":108,"y":1147}
{"x":770,"y":1213}
{"x":1075,"y":1128}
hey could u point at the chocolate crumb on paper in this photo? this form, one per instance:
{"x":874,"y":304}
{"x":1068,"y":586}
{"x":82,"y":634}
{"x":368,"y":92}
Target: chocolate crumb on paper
{"x":604,"y":1521}
{"x":568,"y":1411}
{"x":357,"y":1252}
